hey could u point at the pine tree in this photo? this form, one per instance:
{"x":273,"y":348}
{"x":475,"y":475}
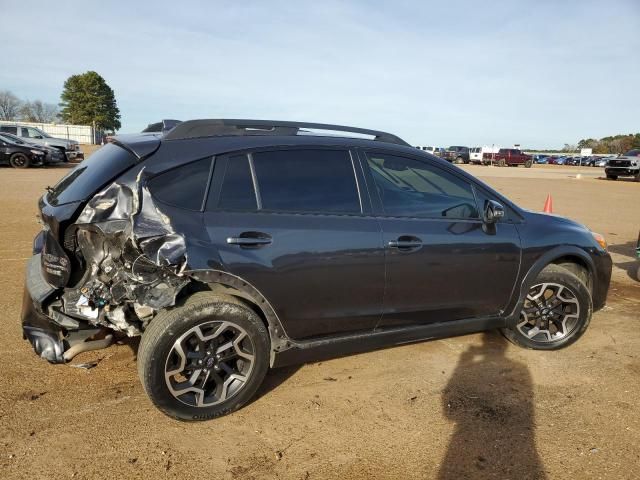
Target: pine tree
{"x":86,"y":99}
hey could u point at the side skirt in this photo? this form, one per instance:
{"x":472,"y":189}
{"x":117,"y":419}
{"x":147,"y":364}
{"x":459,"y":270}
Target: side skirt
{"x":313,"y":350}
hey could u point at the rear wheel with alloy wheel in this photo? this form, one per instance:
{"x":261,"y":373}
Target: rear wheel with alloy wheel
{"x":556,"y":311}
{"x":203,"y":359}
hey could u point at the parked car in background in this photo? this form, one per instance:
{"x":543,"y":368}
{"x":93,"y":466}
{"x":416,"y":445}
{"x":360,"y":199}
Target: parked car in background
{"x":20,"y":155}
{"x":475,"y":155}
{"x":431,"y":150}
{"x":457,"y":154}
{"x":70,"y":148}
{"x":511,"y":157}
{"x":561,"y":160}
{"x":198,"y":241}
{"x":478,"y":154}
{"x":52,"y":155}
{"x":602,"y":162}
{"x":541,"y":159}
{"x":627,"y":165}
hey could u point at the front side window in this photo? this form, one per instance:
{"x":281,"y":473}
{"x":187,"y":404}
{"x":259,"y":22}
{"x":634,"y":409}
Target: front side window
{"x":32,"y":133}
{"x":411,"y":188}
{"x":321,"y":181}
{"x":184,"y":186}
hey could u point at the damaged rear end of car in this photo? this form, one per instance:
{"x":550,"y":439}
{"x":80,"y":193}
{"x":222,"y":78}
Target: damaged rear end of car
{"x":107,"y":258}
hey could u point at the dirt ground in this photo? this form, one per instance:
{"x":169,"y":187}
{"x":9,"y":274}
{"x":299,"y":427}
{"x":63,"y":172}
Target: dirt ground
{"x":465,"y":407}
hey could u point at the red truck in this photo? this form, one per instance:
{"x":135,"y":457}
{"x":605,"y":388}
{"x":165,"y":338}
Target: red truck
{"x":508,"y":156}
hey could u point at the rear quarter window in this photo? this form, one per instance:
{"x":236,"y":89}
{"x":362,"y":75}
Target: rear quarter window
{"x":184,"y":186}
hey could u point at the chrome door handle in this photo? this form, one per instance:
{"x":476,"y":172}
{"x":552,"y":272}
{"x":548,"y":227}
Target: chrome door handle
{"x":405,"y":242}
{"x":250,"y":239}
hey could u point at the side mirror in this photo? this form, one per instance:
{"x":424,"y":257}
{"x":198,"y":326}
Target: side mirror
{"x":493,"y":211}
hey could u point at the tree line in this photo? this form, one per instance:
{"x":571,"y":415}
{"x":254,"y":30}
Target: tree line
{"x":86,"y":99}
{"x":612,"y":144}
{"x":14,"y":108}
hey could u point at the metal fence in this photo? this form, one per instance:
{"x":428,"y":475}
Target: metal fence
{"x":80,"y":133}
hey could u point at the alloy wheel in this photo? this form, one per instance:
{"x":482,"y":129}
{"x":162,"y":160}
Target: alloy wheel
{"x":209,"y":363}
{"x":551,"y":312}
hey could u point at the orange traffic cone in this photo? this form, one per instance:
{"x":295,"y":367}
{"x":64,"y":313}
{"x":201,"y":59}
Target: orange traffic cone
{"x":548,"y":205}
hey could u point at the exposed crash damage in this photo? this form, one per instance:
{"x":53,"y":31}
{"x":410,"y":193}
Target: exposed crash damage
{"x":132,"y":265}
{"x":134,"y":261}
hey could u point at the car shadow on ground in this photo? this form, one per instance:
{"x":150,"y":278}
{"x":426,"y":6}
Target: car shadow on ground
{"x":631,"y":263}
{"x":490,"y":400}
{"x":620,"y":179}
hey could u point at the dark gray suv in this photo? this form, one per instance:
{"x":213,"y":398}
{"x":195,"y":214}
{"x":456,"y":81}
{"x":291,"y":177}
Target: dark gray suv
{"x":235,"y":246}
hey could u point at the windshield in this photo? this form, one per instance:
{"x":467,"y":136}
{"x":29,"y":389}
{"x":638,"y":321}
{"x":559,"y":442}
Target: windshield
{"x":632,"y":153}
{"x":89,"y":176}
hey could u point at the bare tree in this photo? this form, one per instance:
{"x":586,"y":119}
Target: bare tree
{"x":9,"y":105}
{"x":38,"y":111}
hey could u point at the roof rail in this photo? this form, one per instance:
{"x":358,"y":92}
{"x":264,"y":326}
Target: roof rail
{"x":230,"y":127}
{"x":162,"y":126}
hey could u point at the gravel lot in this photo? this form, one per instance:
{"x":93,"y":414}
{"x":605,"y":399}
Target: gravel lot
{"x":466,"y":407}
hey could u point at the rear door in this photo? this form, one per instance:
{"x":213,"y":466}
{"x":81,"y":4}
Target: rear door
{"x":294,"y":224}
{"x":442,"y":264}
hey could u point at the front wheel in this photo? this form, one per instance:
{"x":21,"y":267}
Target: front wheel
{"x":19,"y":160}
{"x":203,"y":359}
{"x":528,"y":164}
{"x":556,"y":311}
{"x":612,"y":177}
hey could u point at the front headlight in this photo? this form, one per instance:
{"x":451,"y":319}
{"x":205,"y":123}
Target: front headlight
{"x":600,"y":239}
{"x":37,"y":152}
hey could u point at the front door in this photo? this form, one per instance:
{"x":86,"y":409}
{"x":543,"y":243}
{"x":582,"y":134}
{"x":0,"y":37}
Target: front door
{"x":441,"y":263}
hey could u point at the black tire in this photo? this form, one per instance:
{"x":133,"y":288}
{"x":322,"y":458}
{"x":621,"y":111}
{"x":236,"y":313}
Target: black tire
{"x":557,"y":275}
{"x":19,"y":160}
{"x":528,"y":164}
{"x":612,"y":177}
{"x":502,"y":163}
{"x":459,"y":160}
{"x":158,"y":344}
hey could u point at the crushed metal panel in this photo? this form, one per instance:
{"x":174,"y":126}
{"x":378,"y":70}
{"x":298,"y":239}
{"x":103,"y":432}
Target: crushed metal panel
{"x":134,"y":259}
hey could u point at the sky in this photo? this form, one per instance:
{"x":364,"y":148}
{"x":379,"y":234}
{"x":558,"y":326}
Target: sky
{"x":539,"y":73}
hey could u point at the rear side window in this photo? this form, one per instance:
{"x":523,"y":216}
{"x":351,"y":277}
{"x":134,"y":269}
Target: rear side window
{"x":321,"y":181}
{"x":9,"y":129}
{"x":88,"y":177}
{"x":237,"y":192}
{"x":184,"y":186}
{"x":411,"y":188}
